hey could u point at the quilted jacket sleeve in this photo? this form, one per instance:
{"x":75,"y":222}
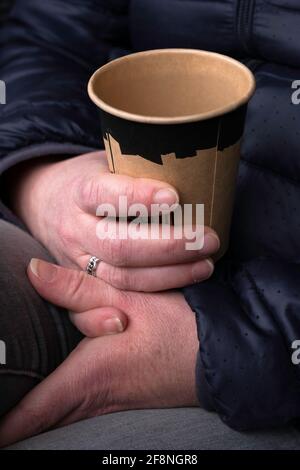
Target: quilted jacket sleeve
{"x":248,"y":323}
{"x":48,"y":50}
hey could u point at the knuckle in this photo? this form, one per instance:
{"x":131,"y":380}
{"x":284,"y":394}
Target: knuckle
{"x":123,"y":249}
{"x":75,"y":284}
{"x":119,"y":277}
{"x":108,"y":249}
{"x":117,"y":251}
{"x":130,"y":191}
{"x":172,"y":247}
{"x":91,"y":192}
{"x":66,"y":233}
{"x":141,"y":193}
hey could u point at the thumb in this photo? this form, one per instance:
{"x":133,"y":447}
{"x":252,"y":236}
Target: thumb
{"x":48,"y":403}
{"x":70,"y":289}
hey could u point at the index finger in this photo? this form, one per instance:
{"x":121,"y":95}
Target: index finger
{"x":107,"y":188}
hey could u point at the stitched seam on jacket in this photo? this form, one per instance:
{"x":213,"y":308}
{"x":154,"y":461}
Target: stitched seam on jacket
{"x":264,"y":169}
{"x":251,"y":9}
{"x":244,"y":24}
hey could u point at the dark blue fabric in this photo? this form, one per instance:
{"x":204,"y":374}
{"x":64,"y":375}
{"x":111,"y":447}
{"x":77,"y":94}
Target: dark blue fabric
{"x":248,"y":314}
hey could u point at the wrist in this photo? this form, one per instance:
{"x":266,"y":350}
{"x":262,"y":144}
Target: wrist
{"x":25,"y":191}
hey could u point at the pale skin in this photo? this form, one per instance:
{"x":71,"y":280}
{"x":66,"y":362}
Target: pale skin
{"x":58,"y":203}
{"x":154,"y":358}
{"x":150,"y":365}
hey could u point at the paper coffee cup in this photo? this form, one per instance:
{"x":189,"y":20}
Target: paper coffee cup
{"x":177,"y":115}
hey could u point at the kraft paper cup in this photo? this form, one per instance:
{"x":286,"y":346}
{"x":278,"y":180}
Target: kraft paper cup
{"x":177,"y":115}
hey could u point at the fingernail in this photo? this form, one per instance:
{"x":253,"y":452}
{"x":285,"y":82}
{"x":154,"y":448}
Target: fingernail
{"x":113,"y":326}
{"x":202,"y":270}
{"x":211,"y":243}
{"x":166,"y":196}
{"x":43,"y":270}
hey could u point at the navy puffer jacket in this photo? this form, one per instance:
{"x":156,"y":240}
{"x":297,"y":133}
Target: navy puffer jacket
{"x":248,"y":314}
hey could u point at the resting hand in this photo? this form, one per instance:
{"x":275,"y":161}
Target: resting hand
{"x":150,"y":365}
{"x":58,"y":203}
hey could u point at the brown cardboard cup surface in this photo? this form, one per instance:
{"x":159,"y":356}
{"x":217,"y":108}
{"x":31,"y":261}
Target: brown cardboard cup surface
{"x":173,"y":87}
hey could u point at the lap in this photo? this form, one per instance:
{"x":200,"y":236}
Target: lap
{"x":37,"y":336}
{"x":171,"y":429}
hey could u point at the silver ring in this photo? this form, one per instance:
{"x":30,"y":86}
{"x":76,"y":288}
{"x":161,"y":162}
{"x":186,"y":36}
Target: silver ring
{"x":92,"y":266}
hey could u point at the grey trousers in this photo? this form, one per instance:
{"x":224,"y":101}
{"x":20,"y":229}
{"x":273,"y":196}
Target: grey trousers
{"x":38,"y":337}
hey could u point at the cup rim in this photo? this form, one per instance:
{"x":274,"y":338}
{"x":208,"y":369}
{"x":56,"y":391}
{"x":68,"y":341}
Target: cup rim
{"x":178,"y":119}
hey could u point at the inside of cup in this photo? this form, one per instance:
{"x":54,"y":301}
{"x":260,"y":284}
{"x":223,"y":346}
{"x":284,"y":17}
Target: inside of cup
{"x":172,"y":85}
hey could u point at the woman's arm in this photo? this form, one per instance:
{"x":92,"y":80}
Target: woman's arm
{"x":48,"y":52}
{"x":248,"y":318}
{"x":150,"y":365}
